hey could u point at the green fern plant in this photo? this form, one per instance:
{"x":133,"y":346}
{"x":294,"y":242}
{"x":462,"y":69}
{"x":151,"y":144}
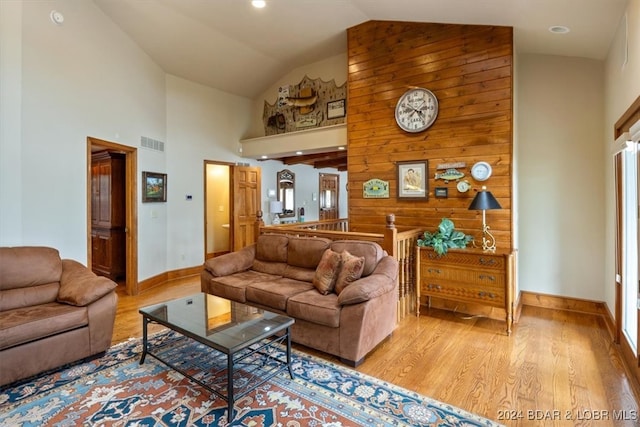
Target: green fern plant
{"x":445,"y":238}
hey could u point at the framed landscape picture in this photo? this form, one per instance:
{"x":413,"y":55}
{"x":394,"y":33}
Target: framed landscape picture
{"x":154,"y":187}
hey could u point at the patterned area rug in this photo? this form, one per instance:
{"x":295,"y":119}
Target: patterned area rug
{"x":116,"y":390}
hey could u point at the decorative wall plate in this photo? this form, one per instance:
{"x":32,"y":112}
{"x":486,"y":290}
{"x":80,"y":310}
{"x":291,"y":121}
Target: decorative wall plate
{"x":481,"y":171}
{"x":463,"y":186}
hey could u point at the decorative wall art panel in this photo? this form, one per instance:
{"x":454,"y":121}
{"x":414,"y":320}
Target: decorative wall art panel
{"x":311,"y":103}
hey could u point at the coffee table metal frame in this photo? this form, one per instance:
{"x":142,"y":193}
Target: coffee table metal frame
{"x":262,"y":345}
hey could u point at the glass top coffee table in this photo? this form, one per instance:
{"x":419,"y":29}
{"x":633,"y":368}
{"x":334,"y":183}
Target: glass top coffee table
{"x":250,"y":345}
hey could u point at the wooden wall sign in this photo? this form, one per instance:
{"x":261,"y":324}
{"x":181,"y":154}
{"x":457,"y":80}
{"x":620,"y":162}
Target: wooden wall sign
{"x":375,"y":189}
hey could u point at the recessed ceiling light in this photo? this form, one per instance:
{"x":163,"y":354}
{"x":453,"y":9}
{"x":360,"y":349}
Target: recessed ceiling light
{"x":298,"y":152}
{"x":258,"y":4}
{"x":264,"y":157}
{"x":559,"y":29}
{"x":340,"y":148}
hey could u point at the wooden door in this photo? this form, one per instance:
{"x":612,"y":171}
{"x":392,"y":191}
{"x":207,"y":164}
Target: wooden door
{"x":245,"y":189}
{"x":329,"y":184}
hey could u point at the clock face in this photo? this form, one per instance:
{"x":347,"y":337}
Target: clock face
{"x":416,"y":110}
{"x":481,"y":171}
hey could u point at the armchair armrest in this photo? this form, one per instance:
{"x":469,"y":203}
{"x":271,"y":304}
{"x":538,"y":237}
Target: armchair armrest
{"x":233,"y":262}
{"x":79,"y":286}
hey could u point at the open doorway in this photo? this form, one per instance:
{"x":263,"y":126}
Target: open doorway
{"x":329,"y":196}
{"x":217,"y":209}
{"x":112,"y":240}
{"x":232,"y":200}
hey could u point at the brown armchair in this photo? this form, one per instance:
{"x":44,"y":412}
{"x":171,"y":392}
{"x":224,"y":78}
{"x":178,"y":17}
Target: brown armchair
{"x":52,"y":312}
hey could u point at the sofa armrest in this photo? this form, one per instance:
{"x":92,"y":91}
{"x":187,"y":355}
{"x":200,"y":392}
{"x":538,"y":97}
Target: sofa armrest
{"x":233,"y":262}
{"x":382,"y":280}
{"x":79,"y":286}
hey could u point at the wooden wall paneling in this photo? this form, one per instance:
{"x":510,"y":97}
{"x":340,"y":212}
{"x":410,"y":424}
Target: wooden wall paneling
{"x":469,"y":68}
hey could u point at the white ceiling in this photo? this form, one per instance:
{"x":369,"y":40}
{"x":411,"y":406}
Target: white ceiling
{"x":231,"y":46}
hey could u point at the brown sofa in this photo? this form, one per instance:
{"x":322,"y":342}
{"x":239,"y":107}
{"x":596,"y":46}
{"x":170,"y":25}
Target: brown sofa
{"x":52,"y":312}
{"x":277,"y":274}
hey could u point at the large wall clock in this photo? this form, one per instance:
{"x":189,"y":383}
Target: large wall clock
{"x":416,"y":110}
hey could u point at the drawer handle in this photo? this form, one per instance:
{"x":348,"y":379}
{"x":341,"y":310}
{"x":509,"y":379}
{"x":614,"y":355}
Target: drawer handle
{"x":432,"y":286}
{"x":486,"y":294}
{"x":434,"y":270}
{"x":432,"y":255}
{"x":487,"y":261}
{"x":486,"y":277}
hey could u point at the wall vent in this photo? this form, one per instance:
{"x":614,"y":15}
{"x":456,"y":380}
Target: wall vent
{"x":151,"y":143}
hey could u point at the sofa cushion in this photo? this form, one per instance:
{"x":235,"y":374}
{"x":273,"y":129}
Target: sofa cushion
{"x":327,"y":271}
{"x":272,"y":248}
{"x":234,"y":286}
{"x":316,"y":308}
{"x":350,"y":270}
{"x":306,"y":252}
{"x":268,"y":267}
{"x":24,"y":297}
{"x":27,"y":266}
{"x":275,"y":293}
{"x":26,"y":324}
{"x":299,"y":273}
{"x":371,"y":251}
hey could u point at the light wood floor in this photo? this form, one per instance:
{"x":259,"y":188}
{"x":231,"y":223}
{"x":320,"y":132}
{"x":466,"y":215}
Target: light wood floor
{"x":556,"y":369}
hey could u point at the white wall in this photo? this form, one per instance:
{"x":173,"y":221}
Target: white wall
{"x":561,"y":176}
{"x":10,"y":123}
{"x":83,"y":78}
{"x":86,"y":78}
{"x":622,"y":87}
{"x":202,"y":124}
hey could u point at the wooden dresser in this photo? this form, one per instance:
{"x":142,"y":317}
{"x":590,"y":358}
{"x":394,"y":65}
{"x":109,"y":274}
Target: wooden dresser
{"x":467,"y":276}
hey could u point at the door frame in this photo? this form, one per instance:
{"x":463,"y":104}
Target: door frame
{"x":131,"y":209}
{"x":631,"y":116}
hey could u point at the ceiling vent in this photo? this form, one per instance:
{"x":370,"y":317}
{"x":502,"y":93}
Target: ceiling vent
{"x":151,"y":143}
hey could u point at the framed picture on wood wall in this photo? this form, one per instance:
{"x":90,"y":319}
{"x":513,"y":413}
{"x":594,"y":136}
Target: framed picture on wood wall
{"x":154,"y":187}
{"x":412,"y":180}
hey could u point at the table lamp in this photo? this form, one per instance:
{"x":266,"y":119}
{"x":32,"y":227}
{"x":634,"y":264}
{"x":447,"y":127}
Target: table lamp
{"x":275,"y":207}
{"x":484,"y":201}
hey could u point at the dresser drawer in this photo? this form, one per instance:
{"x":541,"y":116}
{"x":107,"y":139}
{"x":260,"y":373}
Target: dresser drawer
{"x":484,"y":277}
{"x":463,"y":292}
{"x":484,"y":261}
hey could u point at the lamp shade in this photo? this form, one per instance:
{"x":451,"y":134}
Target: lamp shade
{"x":484,"y":200}
{"x":275,"y":207}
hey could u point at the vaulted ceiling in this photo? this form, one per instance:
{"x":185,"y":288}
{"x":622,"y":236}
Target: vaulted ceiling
{"x":233,"y":47}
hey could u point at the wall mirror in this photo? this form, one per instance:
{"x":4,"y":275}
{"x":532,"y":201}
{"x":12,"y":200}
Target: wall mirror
{"x":286,"y":181}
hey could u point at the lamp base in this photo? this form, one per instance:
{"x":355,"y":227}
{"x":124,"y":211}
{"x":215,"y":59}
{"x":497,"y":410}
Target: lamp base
{"x":488,"y":241}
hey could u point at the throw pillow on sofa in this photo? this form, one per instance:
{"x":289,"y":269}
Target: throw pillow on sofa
{"x":350,"y":270}
{"x":326,"y":274}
